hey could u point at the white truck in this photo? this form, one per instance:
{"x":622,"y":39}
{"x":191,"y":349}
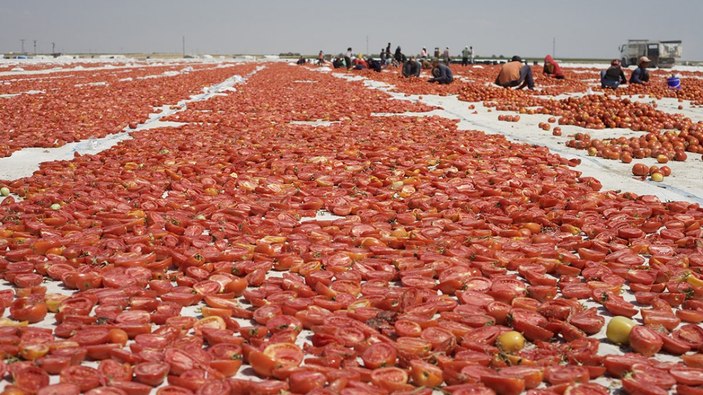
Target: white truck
{"x":661,"y":53}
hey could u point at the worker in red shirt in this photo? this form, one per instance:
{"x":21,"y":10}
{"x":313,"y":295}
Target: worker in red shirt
{"x":552,"y":69}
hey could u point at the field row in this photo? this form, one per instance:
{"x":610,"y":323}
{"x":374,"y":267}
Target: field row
{"x":73,"y":113}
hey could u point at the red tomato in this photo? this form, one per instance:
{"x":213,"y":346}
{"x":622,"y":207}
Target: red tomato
{"x":391,"y":379}
{"x":673,"y":345}
{"x":658,"y":377}
{"x":690,"y":334}
{"x":693,"y":360}
{"x":30,"y":379}
{"x":173,"y":390}
{"x":31,"y":310}
{"x":379,"y":355}
{"x":112,"y":370}
{"x":60,"y":389}
{"x":151,"y":373}
{"x":86,"y":378}
{"x":425,"y":374}
{"x":641,"y":386}
{"x":274,"y":356}
{"x":687,"y":375}
{"x":91,"y":336}
{"x":215,"y":387}
{"x":645,"y":340}
{"x":505,"y":385}
{"x":566,"y":374}
{"x":131,"y":387}
{"x":531,"y":375}
{"x":305,"y":382}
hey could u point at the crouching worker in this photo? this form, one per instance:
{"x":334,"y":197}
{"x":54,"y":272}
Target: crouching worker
{"x":515,"y":74}
{"x":552,"y":68}
{"x":411,"y":68}
{"x":374,"y":65}
{"x":640,"y":75}
{"x":360,"y":63}
{"x":613,"y":76}
{"x":441,"y":73}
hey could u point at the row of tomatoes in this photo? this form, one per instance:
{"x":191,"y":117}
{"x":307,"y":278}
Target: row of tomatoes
{"x":54,"y":66}
{"x":77,"y":113}
{"x":56,"y":81}
{"x":447,"y":243}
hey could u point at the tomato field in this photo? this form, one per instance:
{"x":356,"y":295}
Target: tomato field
{"x":313,"y":231}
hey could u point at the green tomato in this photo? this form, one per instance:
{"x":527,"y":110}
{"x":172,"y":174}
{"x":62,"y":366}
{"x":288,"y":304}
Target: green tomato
{"x":4,"y":191}
{"x":510,"y":341}
{"x":619,"y":328}
{"x":55,"y":206}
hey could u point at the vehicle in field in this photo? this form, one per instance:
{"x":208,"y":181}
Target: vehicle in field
{"x":661,"y":53}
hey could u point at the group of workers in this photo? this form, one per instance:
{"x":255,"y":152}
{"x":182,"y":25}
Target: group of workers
{"x":513,"y":74}
{"x":518,"y":75}
{"x":614,"y":75}
{"x":441,"y":73}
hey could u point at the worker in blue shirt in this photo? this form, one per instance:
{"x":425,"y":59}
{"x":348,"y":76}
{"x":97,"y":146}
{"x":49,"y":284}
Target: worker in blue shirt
{"x":441,"y":73}
{"x":640,"y":75}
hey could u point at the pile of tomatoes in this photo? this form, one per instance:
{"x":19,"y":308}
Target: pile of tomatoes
{"x":245,"y":254}
{"x":73,"y":113}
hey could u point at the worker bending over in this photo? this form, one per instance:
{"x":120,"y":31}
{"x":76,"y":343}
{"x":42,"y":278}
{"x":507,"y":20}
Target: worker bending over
{"x":552,"y":69}
{"x":515,"y":74}
{"x":441,"y":73}
{"x":411,"y":68}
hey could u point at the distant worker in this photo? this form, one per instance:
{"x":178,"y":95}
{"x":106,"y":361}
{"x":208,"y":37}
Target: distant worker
{"x":436,"y":53}
{"x":423,"y":53}
{"x":301,"y":60}
{"x":441,"y":73}
{"x":360,"y":63}
{"x":398,"y":56}
{"x":445,"y":55}
{"x":552,"y":69}
{"x":471,"y":54}
{"x":388,"y":50}
{"x":515,"y":74}
{"x":613,"y":76}
{"x":321,"y":58}
{"x":465,"y":56}
{"x":412,"y":68}
{"x":374,"y":65}
{"x":640,"y":75}
{"x":383,"y":56}
{"x":338,"y":62}
{"x":348,"y":58}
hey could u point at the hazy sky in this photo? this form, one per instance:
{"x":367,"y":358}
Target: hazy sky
{"x":584,"y":28}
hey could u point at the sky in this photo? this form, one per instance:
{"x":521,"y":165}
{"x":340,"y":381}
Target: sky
{"x":580,"y":29}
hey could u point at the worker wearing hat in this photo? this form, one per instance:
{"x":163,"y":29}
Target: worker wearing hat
{"x":641,"y":75}
{"x":515,"y":74}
